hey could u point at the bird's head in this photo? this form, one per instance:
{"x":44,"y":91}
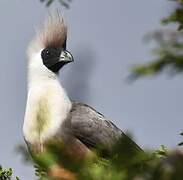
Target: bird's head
{"x":48,"y":48}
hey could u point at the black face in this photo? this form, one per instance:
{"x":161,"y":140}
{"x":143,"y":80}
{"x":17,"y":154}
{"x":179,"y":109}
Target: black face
{"x":51,"y":58}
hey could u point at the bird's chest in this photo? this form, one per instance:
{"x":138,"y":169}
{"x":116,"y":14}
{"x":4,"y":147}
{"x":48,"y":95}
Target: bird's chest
{"x":44,"y":116}
{"x":38,"y":118}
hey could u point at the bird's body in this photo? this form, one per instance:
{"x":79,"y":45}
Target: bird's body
{"x":47,"y":109}
{"x":50,"y":114}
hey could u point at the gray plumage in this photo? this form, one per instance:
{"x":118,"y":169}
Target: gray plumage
{"x":92,"y":128}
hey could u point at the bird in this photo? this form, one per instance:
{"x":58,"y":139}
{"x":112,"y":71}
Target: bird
{"x":50,"y":114}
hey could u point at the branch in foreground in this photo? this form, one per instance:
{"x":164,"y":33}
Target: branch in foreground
{"x":122,"y":163}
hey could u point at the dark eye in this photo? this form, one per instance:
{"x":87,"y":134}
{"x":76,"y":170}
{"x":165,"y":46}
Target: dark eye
{"x":48,"y":52}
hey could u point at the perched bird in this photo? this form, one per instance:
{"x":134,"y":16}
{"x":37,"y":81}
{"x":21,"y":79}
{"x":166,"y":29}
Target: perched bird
{"x":50,"y":114}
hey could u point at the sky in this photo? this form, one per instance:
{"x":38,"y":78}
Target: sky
{"x":106,"y":39}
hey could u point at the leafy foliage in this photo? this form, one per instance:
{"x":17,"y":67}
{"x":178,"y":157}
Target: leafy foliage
{"x":169,"y":54}
{"x":6,"y":174}
{"x":64,"y":3}
{"x":181,"y":143}
{"x":169,"y":47}
{"x":176,"y":16}
{"x":123,"y":162}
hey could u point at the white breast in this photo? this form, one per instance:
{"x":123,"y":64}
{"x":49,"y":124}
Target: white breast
{"x":47,"y":108}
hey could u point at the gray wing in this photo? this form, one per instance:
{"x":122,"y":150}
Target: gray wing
{"x":92,"y":128}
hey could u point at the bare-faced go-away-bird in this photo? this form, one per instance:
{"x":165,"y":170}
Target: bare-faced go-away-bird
{"x":50,"y":114}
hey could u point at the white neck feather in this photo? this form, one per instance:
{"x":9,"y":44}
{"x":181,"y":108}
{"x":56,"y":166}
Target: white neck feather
{"x":47,"y":104}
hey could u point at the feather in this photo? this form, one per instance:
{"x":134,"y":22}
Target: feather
{"x":52,"y":33}
{"x":93,"y":129}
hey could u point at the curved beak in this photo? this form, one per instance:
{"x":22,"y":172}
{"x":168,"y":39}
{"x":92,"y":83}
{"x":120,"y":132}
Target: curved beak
{"x":56,"y":63}
{"x":66,"y":57}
